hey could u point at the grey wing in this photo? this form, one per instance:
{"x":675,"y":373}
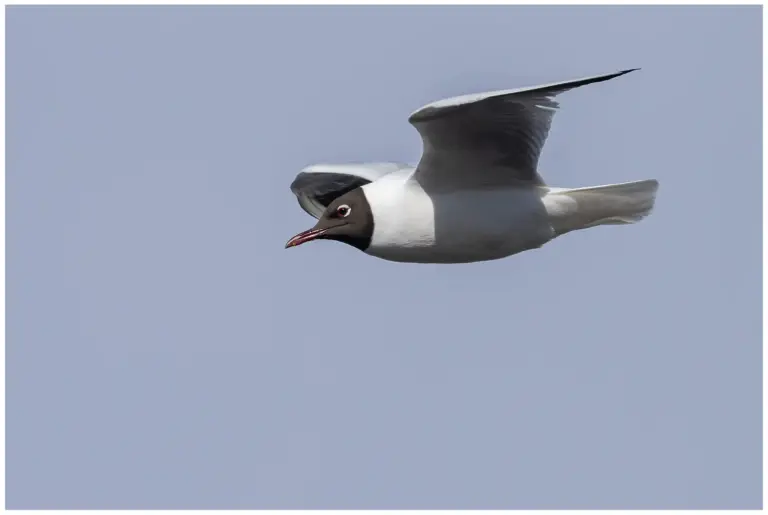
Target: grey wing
{"x":489,"y":139}
{"x":318,"y":185}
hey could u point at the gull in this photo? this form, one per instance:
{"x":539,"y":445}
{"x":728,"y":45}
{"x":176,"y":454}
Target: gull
{"x":475,"y":194}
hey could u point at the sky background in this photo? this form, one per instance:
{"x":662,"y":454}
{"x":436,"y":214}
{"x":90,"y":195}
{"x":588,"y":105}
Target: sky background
{"x":165,"y":351}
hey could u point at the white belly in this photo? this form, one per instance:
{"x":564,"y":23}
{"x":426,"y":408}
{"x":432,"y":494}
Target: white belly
{"x":457,"y":227}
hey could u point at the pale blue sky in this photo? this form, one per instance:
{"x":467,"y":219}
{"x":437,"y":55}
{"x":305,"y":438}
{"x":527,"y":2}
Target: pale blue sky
{"x":165,"y":351}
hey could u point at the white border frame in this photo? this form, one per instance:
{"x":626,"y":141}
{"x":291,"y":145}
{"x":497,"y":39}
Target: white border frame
{"x":348,"y":2}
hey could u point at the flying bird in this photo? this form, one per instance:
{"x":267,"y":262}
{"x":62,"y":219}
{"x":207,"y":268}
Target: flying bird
{"x":476,"y":193}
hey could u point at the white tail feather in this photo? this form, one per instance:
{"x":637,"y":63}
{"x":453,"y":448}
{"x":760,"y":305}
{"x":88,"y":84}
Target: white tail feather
{"x":613,"y":204}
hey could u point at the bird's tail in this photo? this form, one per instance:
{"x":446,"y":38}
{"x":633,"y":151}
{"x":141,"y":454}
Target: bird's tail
{"x":613,"y":204}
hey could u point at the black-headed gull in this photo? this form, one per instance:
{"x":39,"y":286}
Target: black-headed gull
{"x":475,"y":195}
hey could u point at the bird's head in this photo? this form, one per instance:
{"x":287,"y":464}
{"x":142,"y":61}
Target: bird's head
{"x":347,"y":219}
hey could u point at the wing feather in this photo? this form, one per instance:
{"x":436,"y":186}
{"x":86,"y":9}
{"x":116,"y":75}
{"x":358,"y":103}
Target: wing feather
{"x":317,"y":186}
{"x":489,"y":139}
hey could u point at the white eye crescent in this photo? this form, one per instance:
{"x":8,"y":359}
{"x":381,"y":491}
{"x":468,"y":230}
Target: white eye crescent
{"x":343,"y":210}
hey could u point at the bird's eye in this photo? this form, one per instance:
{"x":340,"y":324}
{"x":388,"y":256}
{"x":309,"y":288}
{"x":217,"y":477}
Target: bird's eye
{"x":343,"y":210}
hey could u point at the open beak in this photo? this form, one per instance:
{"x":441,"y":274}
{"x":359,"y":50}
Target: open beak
{"x":306,"y":236}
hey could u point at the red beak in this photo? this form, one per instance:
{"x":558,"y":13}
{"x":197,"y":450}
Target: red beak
{"x":306,"y":236}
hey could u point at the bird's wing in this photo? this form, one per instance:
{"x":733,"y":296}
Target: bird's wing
{"x":318,"y":185}
{"x":488,"y":139}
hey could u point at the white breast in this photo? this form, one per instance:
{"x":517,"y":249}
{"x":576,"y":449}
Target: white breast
{"x":466,"y":226}
{"x":403,"y":214}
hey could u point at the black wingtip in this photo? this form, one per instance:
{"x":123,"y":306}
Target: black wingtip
{"x":607,"y":77}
